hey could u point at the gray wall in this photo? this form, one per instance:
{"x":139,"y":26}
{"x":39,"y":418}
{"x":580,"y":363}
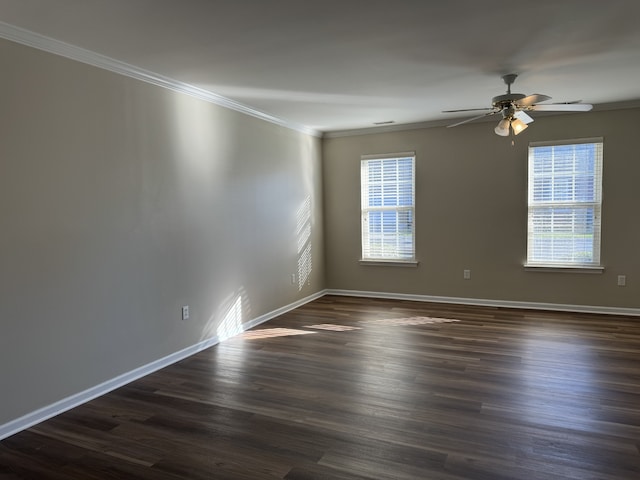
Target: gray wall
{"x":471,"y":213}
{"x":119,"y":203}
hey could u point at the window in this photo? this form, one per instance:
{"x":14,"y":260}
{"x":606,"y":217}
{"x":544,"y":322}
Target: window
{"x":387,"y":188}
{"x":565,"y":199}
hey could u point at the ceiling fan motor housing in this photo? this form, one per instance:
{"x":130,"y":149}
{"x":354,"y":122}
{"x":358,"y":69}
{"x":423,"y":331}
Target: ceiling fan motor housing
{"x":502,"y":101}
{"x":506,"y":102}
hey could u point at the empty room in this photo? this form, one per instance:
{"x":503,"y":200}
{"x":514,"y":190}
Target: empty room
{"x":277,"y":239}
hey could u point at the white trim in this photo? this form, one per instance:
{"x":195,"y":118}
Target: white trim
{"x":367,"y":192}
{"x":72,"y":401}
{"x":532,"y":267}
{"x":542,"y":211}
{"x":635,"y":312}
{"x":396,"y":127}
{"x":57,"y":47}
{"x":574,"y":141}
{"x":42,"y":414}
{"x":384,"y":156}
{"x":388,"y":263}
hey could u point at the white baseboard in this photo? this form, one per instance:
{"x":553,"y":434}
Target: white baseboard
{"x":42,"y":414}
{"x":489,"y":303}
{"x":68,"y":403}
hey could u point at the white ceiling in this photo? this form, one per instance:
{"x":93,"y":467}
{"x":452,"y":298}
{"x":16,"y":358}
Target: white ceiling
{"x":345,"y":64}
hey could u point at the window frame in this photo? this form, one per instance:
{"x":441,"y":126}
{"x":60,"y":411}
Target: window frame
{"x":593,"y":266}
{"x":398,"y":260}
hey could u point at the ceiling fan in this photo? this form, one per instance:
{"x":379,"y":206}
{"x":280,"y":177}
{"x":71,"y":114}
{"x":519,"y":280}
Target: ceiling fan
{"x":514,"y":107}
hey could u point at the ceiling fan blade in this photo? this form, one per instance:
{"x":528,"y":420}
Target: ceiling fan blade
{"x":513,"y":108}
{"x":532,"y":99}
{"x":473,"y":118}
{"x":562,"y":107}
{"x":523,"y":117}
{"x":467,"y":110}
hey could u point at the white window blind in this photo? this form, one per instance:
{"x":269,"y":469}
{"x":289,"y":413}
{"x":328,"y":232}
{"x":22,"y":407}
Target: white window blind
{"x":565,"y":202}
{"x":387,"y":188}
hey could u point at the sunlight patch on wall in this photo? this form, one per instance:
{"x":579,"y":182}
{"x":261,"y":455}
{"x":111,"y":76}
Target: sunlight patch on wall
{"x":227,"y":319}
{"x":303,"y":235}
{"x":304,"y":266}
{"x":231,"y":322}
{"x":303,"y":223}
{"x":198,"y":131}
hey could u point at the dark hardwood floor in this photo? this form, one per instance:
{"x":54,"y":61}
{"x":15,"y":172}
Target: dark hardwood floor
{"x":353,"y":389}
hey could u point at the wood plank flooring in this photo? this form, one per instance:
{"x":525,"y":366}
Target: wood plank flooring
{"x":353,"y":389}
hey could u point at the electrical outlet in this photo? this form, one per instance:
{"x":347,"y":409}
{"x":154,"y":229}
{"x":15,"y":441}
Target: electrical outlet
{"x":293,"y":279}
{"x":185,"y":312}
{"x":466,"y":274}
{"x":622,"y":280}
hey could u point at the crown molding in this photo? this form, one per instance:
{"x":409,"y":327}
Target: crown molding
{"x":57,"y":47}
{"x":395,"y":127}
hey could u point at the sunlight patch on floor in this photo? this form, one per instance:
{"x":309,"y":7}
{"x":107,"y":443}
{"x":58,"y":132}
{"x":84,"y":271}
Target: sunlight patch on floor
{"x":393,"y":322}
{"x":271,"y":333}
{"x":333,"y":327}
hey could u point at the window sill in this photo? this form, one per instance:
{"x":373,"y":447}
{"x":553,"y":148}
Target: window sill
{"x":564,"y":268}
{"x":389,"y":263}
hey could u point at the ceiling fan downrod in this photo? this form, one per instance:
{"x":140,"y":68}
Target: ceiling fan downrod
{"x":509,"y":79}
{"x":503,"y":101}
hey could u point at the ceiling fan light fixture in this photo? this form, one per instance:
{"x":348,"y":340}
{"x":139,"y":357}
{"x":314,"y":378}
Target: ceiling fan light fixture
{"x":502,"y":128}
{"x":518,"y":126}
